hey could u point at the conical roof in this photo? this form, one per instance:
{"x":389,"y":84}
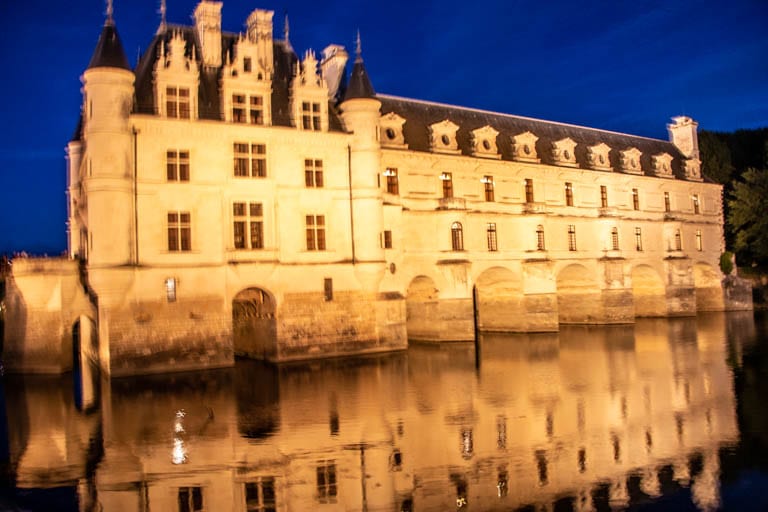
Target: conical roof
{"x":359,"y":85}
{"x":109,"y":51}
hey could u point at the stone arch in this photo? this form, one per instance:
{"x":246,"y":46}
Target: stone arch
{"x":500,"y":300}
{"x":709,"y":290}
{"x":421,"y":306}
{"x":85,"y":363}
{"x":254,"y":329}
{"x":578,"y":295}
{"x":648,"y":292}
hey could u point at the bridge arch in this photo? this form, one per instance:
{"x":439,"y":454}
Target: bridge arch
{"x":500,"y":301}
{"x":709,"y":291}
{"x":254,"y":329}
{"x":578,"y":295}
{"x":648,"y":292}
{"x":422,"y":308}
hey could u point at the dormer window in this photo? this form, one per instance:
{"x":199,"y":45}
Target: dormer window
{"x":598,"y":156}
{"x":692,"y":168}
{"x":662,"y":165}
{"x":176,"y":80}
{"x":443,"y":137}
{"x":392,"y":131}
{"x":563,"y":152}
{"x":630,"y":161}
{"x":246,"y":90}
{"x":247,"y":66}
{"x":484,"y":142}
{"x":309,"y":93}
{"x":524,"y":147}
{"x":177,"y":102}
{"x":310,"y":116}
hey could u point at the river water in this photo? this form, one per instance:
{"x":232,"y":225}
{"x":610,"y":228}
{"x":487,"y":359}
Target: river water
{"x":668,"y":414}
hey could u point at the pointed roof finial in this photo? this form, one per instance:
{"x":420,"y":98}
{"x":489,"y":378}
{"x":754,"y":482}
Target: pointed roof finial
{"x":162,"y":11}
{"x":286,"y":29}
{"x":110,"y":11}
{"x":358,"y":48}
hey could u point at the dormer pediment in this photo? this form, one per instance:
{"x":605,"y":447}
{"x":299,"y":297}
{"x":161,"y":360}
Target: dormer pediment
{"x":662,"y":165}
{"x":630,"y":161}
{"x":563,"y":152}
{"x":443,"y":137}
{"x":484,"y":142}
{"x":176,"y":79}
{"x":524,"y":147}
{"x":692,"y":168}
{"x":245,"y":63}
{"x":391,"y":127}
{"x":309,"y":96}
{"x":598,"y":156}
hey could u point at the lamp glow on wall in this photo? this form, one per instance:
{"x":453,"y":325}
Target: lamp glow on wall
{"x":486,"y":179}
{"x":389,"y":172}
{"x":445,"y":176}
{"x":170,"y":289}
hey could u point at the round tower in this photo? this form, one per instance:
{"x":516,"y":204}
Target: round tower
{"x":360,"y":112}
{"x":107,"y":172}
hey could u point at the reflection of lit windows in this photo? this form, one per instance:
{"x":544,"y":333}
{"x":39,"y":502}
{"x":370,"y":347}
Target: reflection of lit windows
{"x":190,"y":499}
{"x":541,"y":467}
{"x":326,"y":482}
{"x":396,"y":460}
{"x":501,"y":432}
{"x":502,"y":483}
{"x":616,"y":448}
{"x":170,"y":289}
{"x":260,"y":495}
{"x":582,"y":460}
{"x":467,"y":444}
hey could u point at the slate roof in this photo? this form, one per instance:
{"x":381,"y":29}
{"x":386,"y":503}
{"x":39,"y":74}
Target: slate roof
{"x":359,"y":85}
{"x":419,"y":115}
{"x":109,"y":51}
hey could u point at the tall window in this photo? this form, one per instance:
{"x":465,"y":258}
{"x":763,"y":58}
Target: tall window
{"x":603,"y":196}
{"x":635,"y":199}
{"x":457,"y":237}
{"x":540,"y":238}
{"x":528,"y":190}
{"x":238,"y":108}
{"x":667,"y":203}
{"x":315,"y":226}
{"x":177,"y":102}
{"x":260,"y":495}
{"x":313,"y":173}
{"x":190,"y":499}
{"x":699,"y":244}
{"x":248,"y":225}
{"x":247,"y":109}
{"x":678,"y":240}
{"x":310,"y":116}
{"x":326,"y":482}
{"x":571,"y":237}
{"x":177,"y":165}
{"x":250,"y":160}
{"x":695,"y":199}
{"x":488,"y":184}
{"x":568,"y":194}
{"x":615,"y":239}
{"x":386,"y":239}
{"x":256,"y":110}
{"x":447,"y":180}
{"x":393,"y":186}
{"x":179,"y":231}
{"x":639,"y":239}
{"x":491,"y":236}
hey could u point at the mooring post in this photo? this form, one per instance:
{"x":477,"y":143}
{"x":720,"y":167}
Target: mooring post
{"x":476,"y":329}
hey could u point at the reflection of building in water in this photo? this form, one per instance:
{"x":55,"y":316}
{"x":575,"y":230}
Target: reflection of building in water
{"x":593,"y":416}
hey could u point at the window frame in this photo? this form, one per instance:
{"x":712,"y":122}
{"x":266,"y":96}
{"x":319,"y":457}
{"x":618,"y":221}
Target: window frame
{"x":177,"y":165}
{"x":491,"y":237}
{"x":313,"y":173}
{"x":635,"y":199}
{"x":446,"y":179}
{"x":568,"y":193}
{"x":603,"y":196}
{"x":540,"y":242}
{"x":489,"y":188}
{"x":638,"y":239}
{"x":572,"y":237}
{"x":529,"y":193}
{"x":315,"y":228}
{"x":457,"y":236}
{"x":178,"y":102}
{"x":179,"y":231}
{"x":247,"y":225}
{"x":250,"y":160}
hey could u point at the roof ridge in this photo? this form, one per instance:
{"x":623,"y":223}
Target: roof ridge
{"x":525,"y":118}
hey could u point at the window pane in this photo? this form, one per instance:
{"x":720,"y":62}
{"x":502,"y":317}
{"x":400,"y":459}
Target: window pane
{"x":256,"y":210}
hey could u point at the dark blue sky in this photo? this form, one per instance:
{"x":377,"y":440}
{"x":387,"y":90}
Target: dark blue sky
{"x":626,"y":66}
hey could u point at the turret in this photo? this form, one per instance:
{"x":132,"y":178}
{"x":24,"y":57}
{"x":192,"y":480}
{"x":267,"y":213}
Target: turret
{"x":107,"y":157}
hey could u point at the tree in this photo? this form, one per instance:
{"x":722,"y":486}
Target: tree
{"x":716,"y":163}
{"x":748,"y":218}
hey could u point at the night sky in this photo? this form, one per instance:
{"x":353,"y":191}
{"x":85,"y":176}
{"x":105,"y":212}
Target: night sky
{"x":626,"y":66}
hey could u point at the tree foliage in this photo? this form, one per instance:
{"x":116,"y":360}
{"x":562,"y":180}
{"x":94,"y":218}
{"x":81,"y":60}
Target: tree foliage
{"x":748,"y":217}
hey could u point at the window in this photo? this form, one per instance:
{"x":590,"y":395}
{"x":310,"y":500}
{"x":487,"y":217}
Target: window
{"x":667,"y":204}
{"x":393,"y":186}
{"x":491,"y":236}
{"x":328,"y":288}
{"x":568,"y":194}
{"x":603,"y":196}
{"x":528,"y":190}
{"x":540,"y":238}
{"x":315,"y":232}
{"x":313,"y":173}
{"x":177,"y":165}
{"x":457,"y":237}
{"x":615,"y":239}
{"x":247,"y":109}
{"x":248,"y":225}
{"x":179,"y":231}
{"x":326,"y":482}
{"x":247,"y":67}
{"x":678,"y":241}
{"x":257,"y":110}
{"x":699,"y":245}
{"x":260,"y":495}
{"x":447,"y":180}
{"x":190,"y":499}
{"x":488,"y":183}
{"x":310,"y":116}
{"x":571,"y":237}
{"x":635,"y":199}
{"x":638,"y":239}
{"x":177,"y":102}
{"x":695,"y":199}
{"x":386,"y":239}
{"x":238,"y":108}
{"x":250,"y":160}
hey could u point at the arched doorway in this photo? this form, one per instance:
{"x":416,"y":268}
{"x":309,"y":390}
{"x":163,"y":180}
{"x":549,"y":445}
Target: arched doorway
{"x":648,"y":292}
{"x":578,"y":296}
{"x":85,"y":363}
{"x":253,"y":324}
{"x":421,"y":306}
{"x":500,"y":300}
{"x":709,"y":291}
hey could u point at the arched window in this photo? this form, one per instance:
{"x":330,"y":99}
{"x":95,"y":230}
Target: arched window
{"x":540,"y":238}
{"x":457,"y":237}
{"x":615,"y":239}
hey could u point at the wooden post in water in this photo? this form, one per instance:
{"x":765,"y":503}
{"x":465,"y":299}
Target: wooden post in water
{"x":476,"y":328}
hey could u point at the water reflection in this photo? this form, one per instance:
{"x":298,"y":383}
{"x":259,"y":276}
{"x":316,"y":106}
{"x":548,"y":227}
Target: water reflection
{"x":587,"y":419}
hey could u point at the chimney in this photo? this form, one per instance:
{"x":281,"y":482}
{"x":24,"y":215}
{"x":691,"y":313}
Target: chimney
{"x":259,"y":25}
{"x":332,"y":67}
{"x":207,"y":17}
{"x":683,"y":134}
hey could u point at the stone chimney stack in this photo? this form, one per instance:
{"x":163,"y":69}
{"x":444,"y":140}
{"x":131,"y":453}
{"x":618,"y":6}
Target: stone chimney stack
{"x":259,"y":25}
{"x":683,"y":134}
{"x":208,"y":25}
{"x":332,"y":67}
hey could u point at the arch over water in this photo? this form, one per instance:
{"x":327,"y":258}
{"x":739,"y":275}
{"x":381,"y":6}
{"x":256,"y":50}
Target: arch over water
{"x":578,"y":295}
{"x":500,"y":300}
{"x":709,"y":292}
{"x":421,"y":306}
{"x":649,"y":292}
{"x":254,"y":330}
